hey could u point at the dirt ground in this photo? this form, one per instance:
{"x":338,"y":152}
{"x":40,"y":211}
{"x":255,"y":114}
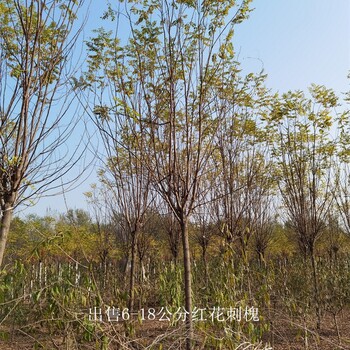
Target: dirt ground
{"x":285,"y":334}
{"x":289,"y":334}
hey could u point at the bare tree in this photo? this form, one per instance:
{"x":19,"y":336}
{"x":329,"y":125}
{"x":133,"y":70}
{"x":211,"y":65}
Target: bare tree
{"x":264,"y":222}
{"x":243,"y":182}
{"x":342,"y":171}
{"x":174,"y":235}
{"x":124,"y":174}
{"x":205,"y":228}
{"x":342,"y":194}
{"x":128,"y":182}
{"x":304,"y":155}
{"x":99,"y":199}
{"x":163,"y":81}
{"x":36,"y":45}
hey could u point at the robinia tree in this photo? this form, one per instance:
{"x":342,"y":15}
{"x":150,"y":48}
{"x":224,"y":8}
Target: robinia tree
{"x":36,"y":43}
{"x":164,"y":79}
{"x":304,"y":153}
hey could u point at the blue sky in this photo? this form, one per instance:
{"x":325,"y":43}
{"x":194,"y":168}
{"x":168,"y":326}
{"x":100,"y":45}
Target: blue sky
{"x":297,"y":42}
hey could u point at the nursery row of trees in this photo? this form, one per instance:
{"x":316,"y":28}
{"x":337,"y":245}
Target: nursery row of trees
{"x":58,"y":268}
{"x":37,"y":116}
{"x":184,"y":130}
{"x":194,"y":149}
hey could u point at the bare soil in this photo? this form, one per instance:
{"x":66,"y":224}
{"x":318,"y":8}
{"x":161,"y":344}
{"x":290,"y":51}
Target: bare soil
{"x":286,"y":333}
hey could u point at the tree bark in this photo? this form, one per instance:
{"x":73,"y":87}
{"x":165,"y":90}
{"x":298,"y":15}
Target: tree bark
{"x":6,"y":218}
{"x":132,"y":272}
{"x":206,"y":273}
{"x":316,"y":291}
{"x":188,"y":282}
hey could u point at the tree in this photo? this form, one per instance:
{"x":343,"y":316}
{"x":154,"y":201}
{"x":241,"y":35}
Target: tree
{"x":204,"y":232}
{"x":173,"y":235}
{"x":98,"y":199}
{"x":342,"y":171}
{"x":129,"y":184}
{"x":163,"y":80}
{"x":304,"y":152}
{"x":36,"y":42}
{"x":242,"y":159}
{"x":124,"y":175}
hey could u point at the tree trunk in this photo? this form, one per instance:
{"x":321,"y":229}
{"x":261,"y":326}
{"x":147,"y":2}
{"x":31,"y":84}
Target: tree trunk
{"x":204,"y":257}
{"x":5,"y":228}
{"x":188,"y":288}
{"x":316,"y":291}
{"x":132,"y":272}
